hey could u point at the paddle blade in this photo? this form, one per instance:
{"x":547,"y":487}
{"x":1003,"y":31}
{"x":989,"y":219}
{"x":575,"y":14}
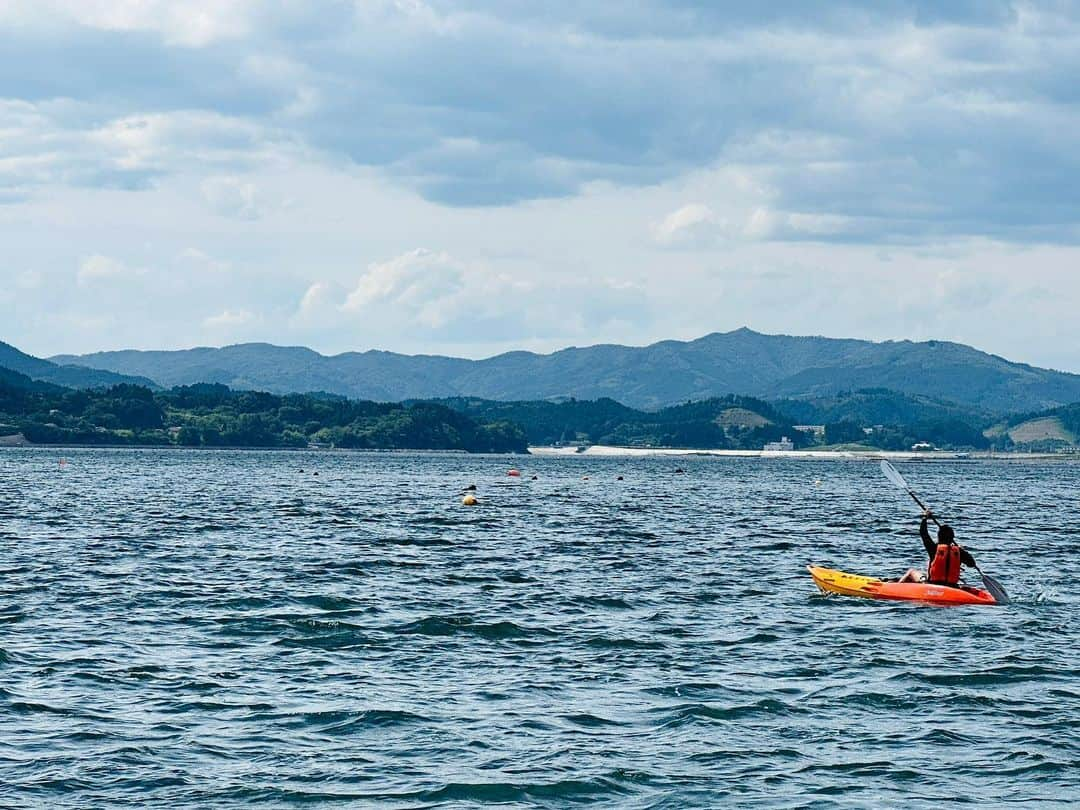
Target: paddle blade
{"x":894,"y":475}
{"x":994,"y":588}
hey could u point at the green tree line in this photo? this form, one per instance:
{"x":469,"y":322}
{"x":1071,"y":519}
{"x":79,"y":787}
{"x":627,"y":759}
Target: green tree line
{"x":210,"y":415}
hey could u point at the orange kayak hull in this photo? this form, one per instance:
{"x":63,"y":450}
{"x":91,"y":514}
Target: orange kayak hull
{"x":831,"y":581}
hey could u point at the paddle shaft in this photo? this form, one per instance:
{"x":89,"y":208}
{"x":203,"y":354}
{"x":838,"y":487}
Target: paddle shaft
{"x":922,"y":506}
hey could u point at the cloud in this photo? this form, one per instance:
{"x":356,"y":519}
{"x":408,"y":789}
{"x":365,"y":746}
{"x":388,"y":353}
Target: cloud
{"x":98,"y":268}
{"x":424,"y":288}
{"x":901,"y":121}
{"x":424,"y":295}
{"x":693,"y":224}
{"x":190,"y":24}
{"x":57,"y":143}
{"x":229,"y":319}
{"x":321,"y":297}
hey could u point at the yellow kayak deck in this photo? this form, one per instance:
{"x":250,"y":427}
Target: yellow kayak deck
{"x":830,"y":580}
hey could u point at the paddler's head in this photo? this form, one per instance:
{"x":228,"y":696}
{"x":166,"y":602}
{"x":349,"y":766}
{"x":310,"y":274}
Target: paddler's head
{"x":946,"y":535}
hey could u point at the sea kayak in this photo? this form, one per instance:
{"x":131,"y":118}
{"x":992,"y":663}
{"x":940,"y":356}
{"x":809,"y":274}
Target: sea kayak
{"x":839,"y":582}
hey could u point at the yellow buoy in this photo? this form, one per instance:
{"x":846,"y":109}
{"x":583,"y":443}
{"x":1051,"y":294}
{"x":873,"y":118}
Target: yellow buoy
{"x":469,"y":500}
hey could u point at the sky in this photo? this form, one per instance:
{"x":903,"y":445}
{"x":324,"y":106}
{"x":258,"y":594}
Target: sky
{"x":474,"y":176}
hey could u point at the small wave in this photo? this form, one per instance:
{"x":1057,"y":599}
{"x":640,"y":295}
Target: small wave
{"x":341,"y":640}
{"x":25,"y":707}
{"x":628,"y":534}
{"x":885,"y":700}
{"x":613,"y":602}
{"x":998,"y":675}
{"x":423,"y":542}
{"x":607,"y":643}
{"x":516,"y":578}
{"x":753,"y":638}
{"x":329,"y":603}
{"x":687,"y":690}
{"x":505,"y":792}
{"x":693,"y":712}
{"x":341,"y":723}
{"x":883,"y":767}
{"x":464,"y":625}
{"x":586,"y":720}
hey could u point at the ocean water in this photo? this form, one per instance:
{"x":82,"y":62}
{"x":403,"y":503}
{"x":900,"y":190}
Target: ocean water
{"x":228,"y":629}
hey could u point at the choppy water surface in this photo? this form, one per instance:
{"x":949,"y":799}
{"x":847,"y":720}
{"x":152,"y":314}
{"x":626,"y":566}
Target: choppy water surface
{"x":220,"y":629}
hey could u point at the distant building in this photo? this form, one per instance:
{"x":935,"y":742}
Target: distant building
{"x":922,"y":447}
{"x":816,"y":430}
{"x":776,"y":447}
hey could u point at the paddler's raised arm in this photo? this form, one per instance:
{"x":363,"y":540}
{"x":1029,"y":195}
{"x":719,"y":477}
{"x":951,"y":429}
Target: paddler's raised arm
{"x":924,"y":533}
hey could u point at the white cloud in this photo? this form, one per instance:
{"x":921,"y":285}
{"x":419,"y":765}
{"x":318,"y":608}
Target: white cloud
{"x":423,"y":287}
{"x":698,"y":226}
{"x":62,"y":143}
{"x":195,"y":259}
{"x":425,"y":295}
{"x":321,"y":304}
{"x":693,"y":224}
{"x":98,"y":268}
{"x":821,"y":104}
{"x":192,"y":23}
{"x":230,"y":319}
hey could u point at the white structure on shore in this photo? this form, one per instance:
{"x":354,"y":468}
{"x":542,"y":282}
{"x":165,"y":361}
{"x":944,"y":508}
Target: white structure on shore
{"x":785,"y":445}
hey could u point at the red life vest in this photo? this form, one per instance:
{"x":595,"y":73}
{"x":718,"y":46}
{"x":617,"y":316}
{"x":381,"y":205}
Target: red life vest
{"x":945,"y":567}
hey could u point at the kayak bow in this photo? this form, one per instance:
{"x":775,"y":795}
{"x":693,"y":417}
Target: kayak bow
{"x":839,"y":582}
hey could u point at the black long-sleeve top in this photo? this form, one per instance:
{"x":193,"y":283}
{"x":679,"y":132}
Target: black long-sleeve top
{"x":931,"y":546}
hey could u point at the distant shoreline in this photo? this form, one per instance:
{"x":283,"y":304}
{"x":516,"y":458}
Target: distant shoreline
{"x":609,"y":451}
{"x":599,"y":451}
{"x":26,"y":445}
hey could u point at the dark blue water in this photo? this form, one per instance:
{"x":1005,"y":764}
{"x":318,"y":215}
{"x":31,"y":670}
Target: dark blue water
{"x":219,"y":629}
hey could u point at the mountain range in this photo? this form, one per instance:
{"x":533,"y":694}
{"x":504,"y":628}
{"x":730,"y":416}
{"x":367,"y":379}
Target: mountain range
{"x":740,"y":362}
{"x":68,"y":375}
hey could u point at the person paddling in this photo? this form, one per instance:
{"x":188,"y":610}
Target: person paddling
{"x":946,"y":556}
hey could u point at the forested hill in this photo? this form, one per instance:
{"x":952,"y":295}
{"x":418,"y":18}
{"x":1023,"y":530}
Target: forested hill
{"x":72,"y":376}
{"x":215,"y":416}
{"x":212,"y":415}
{"x":666,"y":373}
{"x":872,"y":419}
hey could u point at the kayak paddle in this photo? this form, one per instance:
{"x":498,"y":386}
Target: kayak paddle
{"x":991,"y":584}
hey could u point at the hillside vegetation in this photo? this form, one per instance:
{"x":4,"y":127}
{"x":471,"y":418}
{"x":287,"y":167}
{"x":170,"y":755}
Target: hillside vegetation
{"x":71,"y":376}
{"x":734,"y":422}
{"x":1052,"y":429}
{"x":729,"y":422}
{"x":213,"y":415}
{"x":208,"y":415}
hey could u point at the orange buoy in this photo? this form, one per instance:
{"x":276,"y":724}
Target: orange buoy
{"x":469,"y":500}
{"x":514,"y":473}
